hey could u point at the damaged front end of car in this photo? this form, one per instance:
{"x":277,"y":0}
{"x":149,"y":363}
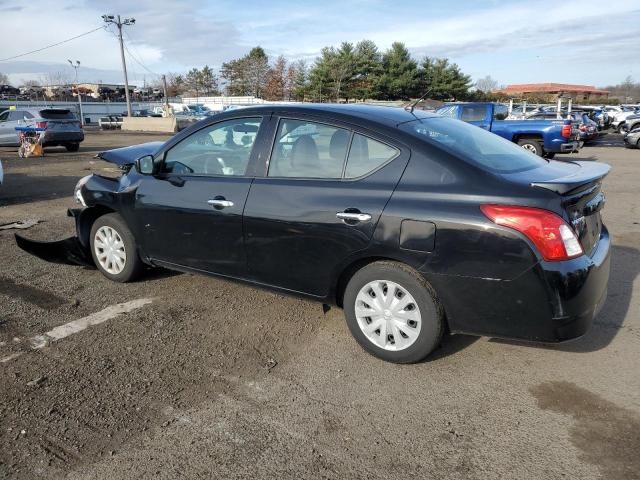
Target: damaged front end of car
{"x":96,"y":195}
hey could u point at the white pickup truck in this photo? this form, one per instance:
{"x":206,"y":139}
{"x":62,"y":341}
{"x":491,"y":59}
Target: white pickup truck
{"x":619,"y":115}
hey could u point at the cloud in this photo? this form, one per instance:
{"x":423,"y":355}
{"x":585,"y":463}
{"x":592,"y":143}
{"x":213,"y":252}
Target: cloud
{"x":175,"y":36}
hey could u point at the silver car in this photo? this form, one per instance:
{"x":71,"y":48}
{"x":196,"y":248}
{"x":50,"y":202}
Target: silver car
{"x":62,"y":127}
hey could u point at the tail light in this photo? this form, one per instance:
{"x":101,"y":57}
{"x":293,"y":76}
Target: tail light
{"x":566,"y":131}
{"x":41,"y":124}
{"x":551,"y":235}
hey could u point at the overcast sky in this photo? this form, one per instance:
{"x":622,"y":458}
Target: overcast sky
{"x":583,"y":41}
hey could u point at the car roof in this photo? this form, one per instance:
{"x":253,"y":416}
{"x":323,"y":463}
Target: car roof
{"x":391,"y":116}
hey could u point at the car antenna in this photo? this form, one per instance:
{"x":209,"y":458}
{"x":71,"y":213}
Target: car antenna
{"x":413,"y":105}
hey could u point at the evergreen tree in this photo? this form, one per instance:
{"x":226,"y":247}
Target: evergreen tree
{"x":400,"y":73}
{"x":445,"y":79}
{"x":368,"y":70}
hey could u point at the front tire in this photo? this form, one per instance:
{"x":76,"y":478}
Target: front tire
{"x":113,"y":249}
{"x":531,"y":145}
{"x":393,"y":312}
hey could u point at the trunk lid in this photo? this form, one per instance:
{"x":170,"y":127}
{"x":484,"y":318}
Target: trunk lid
{"x":129,"y":155}
{"x":579,"y":186}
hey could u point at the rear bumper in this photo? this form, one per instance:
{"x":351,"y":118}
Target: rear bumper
{"x":550,"y":302}
{"x":570,"y":147}
{"x":62,"y":138}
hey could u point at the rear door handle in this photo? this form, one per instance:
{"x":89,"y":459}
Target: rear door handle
{"x":353,"y":217}
{"x":220,"y":203}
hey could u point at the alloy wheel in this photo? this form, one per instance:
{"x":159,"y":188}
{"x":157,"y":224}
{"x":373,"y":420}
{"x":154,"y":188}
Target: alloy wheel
{"x":388,"y":315}
{"x":109,"y":250}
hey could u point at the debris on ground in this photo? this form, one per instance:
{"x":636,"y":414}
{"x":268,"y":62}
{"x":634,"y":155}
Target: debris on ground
{"x":20,"y":224}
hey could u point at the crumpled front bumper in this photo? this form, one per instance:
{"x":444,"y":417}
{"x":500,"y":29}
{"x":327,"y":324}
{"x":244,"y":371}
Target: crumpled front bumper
{"x":69,"y":251}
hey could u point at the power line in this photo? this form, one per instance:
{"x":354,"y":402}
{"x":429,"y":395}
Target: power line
{"x":139,"y":62}
{"x":51,"y":46}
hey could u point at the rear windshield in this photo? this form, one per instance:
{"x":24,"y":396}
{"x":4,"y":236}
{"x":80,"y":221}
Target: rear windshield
{"x":58,"y":114}
{"x":474,"y":144}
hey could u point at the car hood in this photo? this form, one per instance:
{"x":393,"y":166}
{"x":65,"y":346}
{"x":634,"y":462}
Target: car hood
{"x":129,"y":155}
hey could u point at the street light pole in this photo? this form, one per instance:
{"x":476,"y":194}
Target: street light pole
{"x":119,"y":23}
{"x":76,"y":67}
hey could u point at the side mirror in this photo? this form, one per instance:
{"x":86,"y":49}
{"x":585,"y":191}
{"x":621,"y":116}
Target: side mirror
{"x":144,"y":165}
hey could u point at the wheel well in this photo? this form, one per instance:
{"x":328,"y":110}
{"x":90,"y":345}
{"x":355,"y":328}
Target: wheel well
{"x":349,"y":271}
{"x":352,"y":268}
{"x":527,"y":136}
{"x":86,"y":220}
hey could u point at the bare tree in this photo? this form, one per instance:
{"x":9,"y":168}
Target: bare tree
{"x":487,"y":84}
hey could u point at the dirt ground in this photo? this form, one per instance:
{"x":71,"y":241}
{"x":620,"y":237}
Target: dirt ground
{"x":219,"y":380}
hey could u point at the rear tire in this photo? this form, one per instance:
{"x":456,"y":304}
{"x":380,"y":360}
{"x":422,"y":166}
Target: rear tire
{"x":401,"y":303}
{"x":114,"y":249}
{"x":72,"y":147}
{"x":531,"y":145}
{"x":621,"y":128}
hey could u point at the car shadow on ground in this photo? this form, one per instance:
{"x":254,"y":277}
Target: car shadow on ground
{"x":451,"y":344}
{"x":21,"y":188}
{"x":625,"y":266}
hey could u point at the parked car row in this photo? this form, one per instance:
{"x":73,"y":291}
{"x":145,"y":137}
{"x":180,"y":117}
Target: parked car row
{"x":587,"y":128}
{"x":543,"y":137}
{"x":542,"y":129}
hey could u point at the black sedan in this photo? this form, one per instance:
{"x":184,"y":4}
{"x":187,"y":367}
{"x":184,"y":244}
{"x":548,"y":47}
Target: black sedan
{"x":415,"y":224}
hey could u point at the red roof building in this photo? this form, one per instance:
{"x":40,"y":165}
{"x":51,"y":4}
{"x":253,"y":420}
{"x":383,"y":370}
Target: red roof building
{"x":577,"y":92}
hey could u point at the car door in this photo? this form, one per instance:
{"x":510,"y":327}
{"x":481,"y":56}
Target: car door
{"x":319,"y":203}
{"x":190,"y":213}
{"x":8,"y":123}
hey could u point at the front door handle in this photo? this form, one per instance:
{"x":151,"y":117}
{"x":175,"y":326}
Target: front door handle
{"x":220,"y":203}
{"x":353,"y":217}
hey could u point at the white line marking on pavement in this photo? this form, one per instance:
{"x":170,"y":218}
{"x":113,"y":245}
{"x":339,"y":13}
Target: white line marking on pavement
{"x":10,"y":357}
{"x":63,"y":331}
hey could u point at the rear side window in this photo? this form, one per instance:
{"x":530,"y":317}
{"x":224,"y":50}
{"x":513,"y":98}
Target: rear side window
{"x":308,"y":150}
{"x":473,"y":113}
{"x":474,"y":145}
{"x":500,"y":112}
{"x":57,"y":114}
{"x":450,"y":111}
{"x":366,"y":155}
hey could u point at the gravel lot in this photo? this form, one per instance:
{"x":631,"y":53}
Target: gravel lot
{"x":218,"y":380}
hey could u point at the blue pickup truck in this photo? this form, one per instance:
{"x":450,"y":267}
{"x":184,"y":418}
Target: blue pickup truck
{"x":542,"y":137}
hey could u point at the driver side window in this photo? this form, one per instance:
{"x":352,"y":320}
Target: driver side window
{"x":220,"y":149}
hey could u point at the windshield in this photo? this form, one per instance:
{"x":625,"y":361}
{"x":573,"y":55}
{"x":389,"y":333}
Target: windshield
{"x":474,"y":144}
{"x":57,"y":114}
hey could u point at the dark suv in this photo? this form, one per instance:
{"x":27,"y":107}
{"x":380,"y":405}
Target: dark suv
{"x":62,"y":127}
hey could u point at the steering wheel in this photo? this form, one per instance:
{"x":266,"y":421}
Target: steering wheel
{"x":214,"y":166}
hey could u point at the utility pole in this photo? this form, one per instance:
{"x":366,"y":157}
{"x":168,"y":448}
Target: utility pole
{"x":76,"y":67}
{"x":166,"y":98}
{"x":119,"y":23}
